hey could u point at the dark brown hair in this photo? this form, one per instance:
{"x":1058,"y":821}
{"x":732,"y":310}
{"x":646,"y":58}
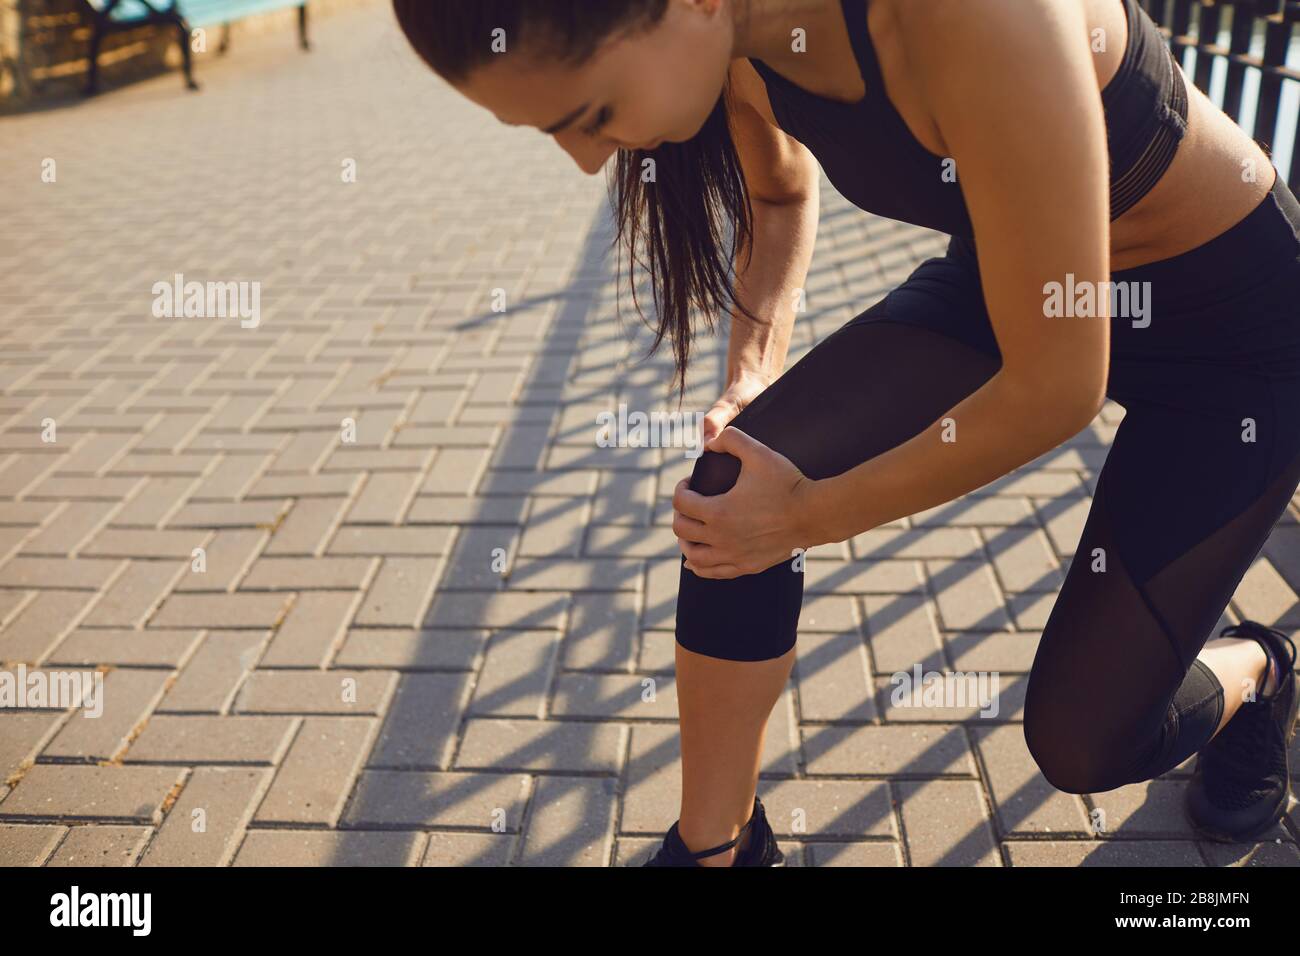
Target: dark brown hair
{"x":698,"y":193}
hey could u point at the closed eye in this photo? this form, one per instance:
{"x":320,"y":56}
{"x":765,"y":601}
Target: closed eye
{"x":602,"y":117}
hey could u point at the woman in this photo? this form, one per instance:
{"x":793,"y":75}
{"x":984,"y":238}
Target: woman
{"x":1114,"y":234}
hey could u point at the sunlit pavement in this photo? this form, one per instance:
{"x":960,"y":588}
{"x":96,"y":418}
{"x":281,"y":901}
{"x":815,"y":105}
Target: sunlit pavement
{"x":363,"y":584}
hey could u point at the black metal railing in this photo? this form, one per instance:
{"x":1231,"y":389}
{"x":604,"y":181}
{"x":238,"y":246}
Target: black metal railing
{"x":1245,"y":20}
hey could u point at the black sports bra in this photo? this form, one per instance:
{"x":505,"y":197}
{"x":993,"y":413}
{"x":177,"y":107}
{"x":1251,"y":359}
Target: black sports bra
{"x":872,"y":158}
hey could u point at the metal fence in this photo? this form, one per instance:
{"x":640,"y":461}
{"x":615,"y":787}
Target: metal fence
{"x":1203,"y":25}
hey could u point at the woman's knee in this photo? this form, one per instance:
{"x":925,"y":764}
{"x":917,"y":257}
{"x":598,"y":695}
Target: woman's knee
{"x":754,"y":617}
{"x":715,"y":473}
{"x":1070,"y":755}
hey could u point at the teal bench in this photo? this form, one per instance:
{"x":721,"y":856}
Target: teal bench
{"x":185,"y":16}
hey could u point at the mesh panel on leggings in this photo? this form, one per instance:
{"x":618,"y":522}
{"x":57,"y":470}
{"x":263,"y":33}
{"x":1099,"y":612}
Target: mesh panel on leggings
{"x":904,"y":379}
{"x":1116,"y":695}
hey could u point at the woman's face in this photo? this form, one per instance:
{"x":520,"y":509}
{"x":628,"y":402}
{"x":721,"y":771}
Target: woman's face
{"x":635,"y":92}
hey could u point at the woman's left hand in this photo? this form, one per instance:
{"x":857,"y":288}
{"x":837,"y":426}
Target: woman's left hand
{"x":764,"y":518}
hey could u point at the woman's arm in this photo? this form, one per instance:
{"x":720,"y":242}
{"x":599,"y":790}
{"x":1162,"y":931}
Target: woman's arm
{"x":782,"y":178}
{"x":784,"y":234}
{"x":1015,"y":97}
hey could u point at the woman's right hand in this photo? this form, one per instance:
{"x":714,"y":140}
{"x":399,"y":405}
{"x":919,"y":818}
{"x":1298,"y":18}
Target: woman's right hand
{"x":742,"y":390}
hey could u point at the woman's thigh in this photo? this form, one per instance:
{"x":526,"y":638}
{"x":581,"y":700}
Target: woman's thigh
{"x":875,"y":382}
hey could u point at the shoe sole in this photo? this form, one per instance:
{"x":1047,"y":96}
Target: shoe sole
{"x":1218,"y":836}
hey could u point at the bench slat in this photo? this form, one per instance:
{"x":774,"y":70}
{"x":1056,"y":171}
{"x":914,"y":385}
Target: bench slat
{"x":203,"y":13}
{"x":198,"y":13}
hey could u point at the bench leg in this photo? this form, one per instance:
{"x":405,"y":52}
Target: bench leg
{"x":302,"y":27}
{"x":187,"y":59}
{"x":92,"y":74}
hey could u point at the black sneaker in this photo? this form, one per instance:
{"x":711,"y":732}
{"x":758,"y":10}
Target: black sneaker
{"x":762,"y":849}
{"x":1242,"y":782}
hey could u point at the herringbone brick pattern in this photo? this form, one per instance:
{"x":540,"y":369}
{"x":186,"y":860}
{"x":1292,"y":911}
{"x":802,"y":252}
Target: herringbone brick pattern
{"x":430,"y":621}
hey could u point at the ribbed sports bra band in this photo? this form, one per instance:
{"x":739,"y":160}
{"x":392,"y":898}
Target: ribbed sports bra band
{"x":871,"y":156}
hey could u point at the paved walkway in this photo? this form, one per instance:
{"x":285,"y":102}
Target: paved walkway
{"x":340,"y":675}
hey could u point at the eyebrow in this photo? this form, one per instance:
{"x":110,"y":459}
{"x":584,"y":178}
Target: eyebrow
{"x":556,"y":127}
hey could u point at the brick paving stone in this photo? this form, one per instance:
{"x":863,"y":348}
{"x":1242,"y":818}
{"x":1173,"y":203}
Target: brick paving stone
{"x":21,"y":735}
{"x":1023,"y":801}
{"x":487,"y":802}
{"x":125,"y":647}
{"x":998,"y":651}
{"x":541,"y":745}
{"x":106,"y":793}
{"x":918,"y":750}
{"x":308,"y":526}
{"x":516,"y":611}
{"x":581,"y":574}
{"x":211,"y":678}
{"x":967,"y":596}
{"x":1142,"y":853}
{"x":412,"y":648}
{"x":298,"y":574}
{"x":1022,"y":559}
{"x":228,"y":553}
{"x":501,"y":716}
{"x":421,"y":724}
{"x":138,"y":543}
{"x":467,"y":511}
{"x":400,"y":593}
{"x":609,"y":696}
{"x":902,"y":631}
{"x":72,"y":529}
{"x":204,"y":825}
{"x":125,"y":701}
{"x":1251,"y":854}
{"x":861,"y":577}
{"x":469,"y":849}
{"x":202,"y":739}
{"x":329,"y":848}
{"x":29,"y":845}
{"x":91,"y":574}
{"x":252,"y":610}
{"x":945,"y":824}
{"x":833,"y":677}
{"x":571,"y":823}
{"x":516,"y":674}
{"x":134,"y":595}
{"x":101,"y":845}
{"x":316,"y":692}
{"x":311,"y":630}
{"x":855,"y":854}
{"x":601,"y":633}
{"x":316,"y":776}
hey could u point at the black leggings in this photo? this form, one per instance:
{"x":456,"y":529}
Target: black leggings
{"x":1201,"y":468}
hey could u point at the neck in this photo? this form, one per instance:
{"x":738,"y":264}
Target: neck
{"x":762,"y":27}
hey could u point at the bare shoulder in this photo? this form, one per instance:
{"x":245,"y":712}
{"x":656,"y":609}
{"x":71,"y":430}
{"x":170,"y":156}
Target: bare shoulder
{"x":777,"y":167}
{"x":748,"y":89}
{"x":918,"y":28}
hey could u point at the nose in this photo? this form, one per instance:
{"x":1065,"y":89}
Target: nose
{"x":591,"y":158}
